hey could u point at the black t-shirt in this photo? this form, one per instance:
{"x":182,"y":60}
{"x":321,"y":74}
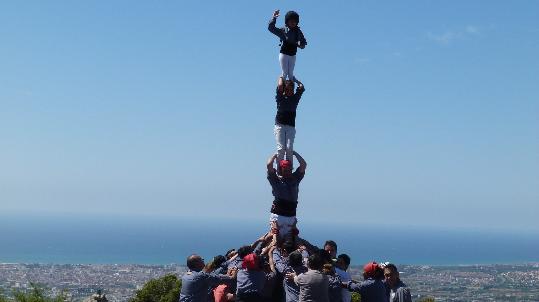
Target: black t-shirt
{"x":286,"y":108}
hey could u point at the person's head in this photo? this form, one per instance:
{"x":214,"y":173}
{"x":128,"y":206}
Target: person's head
{"x":230,"y":253}
{"x":343,"y":261}
{"x":289,"y":245}
{"x":370,"y":270}
{"x":315,"y":262}
{"x":288,"y":88}
{"x":325,"y":257}
{"x":218,"y":260}
{"x":244,"y":251}
{"x":291,"y":19}
{"x":391,"y":274}
{"x":331,"y":247}
{"x":328,"y":269}
{"x":250,"y":262}
{"x":295,"y":259}
{"x":286,"y":168}
{"x":195,"y":263}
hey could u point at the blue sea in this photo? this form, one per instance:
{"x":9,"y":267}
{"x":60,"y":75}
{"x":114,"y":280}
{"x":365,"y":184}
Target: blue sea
{"x":108,"y":240}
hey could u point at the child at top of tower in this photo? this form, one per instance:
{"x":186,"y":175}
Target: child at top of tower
{"x":291,"y":38}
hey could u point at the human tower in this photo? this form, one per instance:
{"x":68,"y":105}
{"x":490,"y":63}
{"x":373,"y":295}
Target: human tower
{"x":284,"y":182}
{"x":241,"y":276}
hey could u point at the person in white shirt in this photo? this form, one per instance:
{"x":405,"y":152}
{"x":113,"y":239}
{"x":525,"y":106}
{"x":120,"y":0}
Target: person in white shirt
{"x":341,"y":269}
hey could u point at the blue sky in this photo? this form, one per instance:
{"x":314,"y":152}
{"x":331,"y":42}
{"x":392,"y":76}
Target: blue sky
{"x":417,"y":113}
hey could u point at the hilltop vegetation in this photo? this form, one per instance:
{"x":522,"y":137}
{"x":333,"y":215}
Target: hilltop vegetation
{"x":36,"y":294}
{"x":164,"y":289}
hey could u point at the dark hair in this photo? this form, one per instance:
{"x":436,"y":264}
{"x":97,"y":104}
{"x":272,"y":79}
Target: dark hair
{"x":218,"y":260}
{"x":324,"y":256}
{"x":344,"y":258}
{"x":289,"y":245}
{"x":379,"y":273}
{"x":331,"y":243}
{"x":263,"y":261}
{"x":192,"y":261}
{"x":392,"y":267}
{"x":244,"y":251}
{"x":328,"y":269}
{"x":291,"y":15}
{"x":315,"y":262}
{"x":295,"y":259}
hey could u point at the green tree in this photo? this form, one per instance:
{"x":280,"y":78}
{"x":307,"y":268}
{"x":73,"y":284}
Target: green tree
{"x":164,"y":289}
{"x":36,"y":294}
{"x":2,"y":297}
{"x":356,"y":297}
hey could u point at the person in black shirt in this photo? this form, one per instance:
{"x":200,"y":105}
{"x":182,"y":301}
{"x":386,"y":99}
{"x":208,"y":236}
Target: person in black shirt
{"x":291,"y":38}
{"x":285,"y":119}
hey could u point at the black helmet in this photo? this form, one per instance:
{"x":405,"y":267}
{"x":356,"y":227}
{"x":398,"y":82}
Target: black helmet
{"x":291,"y":15}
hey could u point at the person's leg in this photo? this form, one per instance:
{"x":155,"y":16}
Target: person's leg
{"x":280,"y":137}
{"x":291,"y":66}
{"x":290,"y":136}
{"x":284,"y":65}
{"x":285,"y":226}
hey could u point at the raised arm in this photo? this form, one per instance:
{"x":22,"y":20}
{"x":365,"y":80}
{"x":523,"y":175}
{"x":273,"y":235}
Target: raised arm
{"x":280,"y":86}
{"x":270,"y":260}
{"x":302,"y":162}
{"x":273,"y":29}
{"x":269,"y":164}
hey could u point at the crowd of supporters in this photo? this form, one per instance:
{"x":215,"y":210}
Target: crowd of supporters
{"x":291,"y":269}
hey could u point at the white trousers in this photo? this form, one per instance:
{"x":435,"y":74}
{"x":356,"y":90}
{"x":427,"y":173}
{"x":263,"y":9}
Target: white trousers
{"x":284,"y":135}
{"x":287,"y":66}
{"x":283,"y":223}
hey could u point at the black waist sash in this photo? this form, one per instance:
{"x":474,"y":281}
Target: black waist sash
{"x":284,"y":207}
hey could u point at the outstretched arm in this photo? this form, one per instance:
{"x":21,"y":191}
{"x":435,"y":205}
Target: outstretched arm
{"x":273,"y":29}
{"x":269,"y":164}
{"x":302,"y":162}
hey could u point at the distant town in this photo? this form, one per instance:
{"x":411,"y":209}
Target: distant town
{"x":120,"y":282}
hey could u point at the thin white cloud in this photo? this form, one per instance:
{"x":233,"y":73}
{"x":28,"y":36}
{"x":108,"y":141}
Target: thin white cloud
{"x":450,"y":36}
{"x":444,"y":38}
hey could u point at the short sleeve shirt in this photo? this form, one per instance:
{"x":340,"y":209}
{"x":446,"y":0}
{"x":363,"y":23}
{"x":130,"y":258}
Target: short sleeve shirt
{"x":286,"y":188}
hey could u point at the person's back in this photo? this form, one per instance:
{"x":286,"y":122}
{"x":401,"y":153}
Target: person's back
{"x":197,"y":284}
{"x":250,"y":284}
{"x":250,"y":280}
{"x":291,"y":289}
{"x":195,"y":287}
{"x":371,"y":290}
{"x":335,"y":283}
{"x":341,"y":269}
{"x":313,"y":286}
